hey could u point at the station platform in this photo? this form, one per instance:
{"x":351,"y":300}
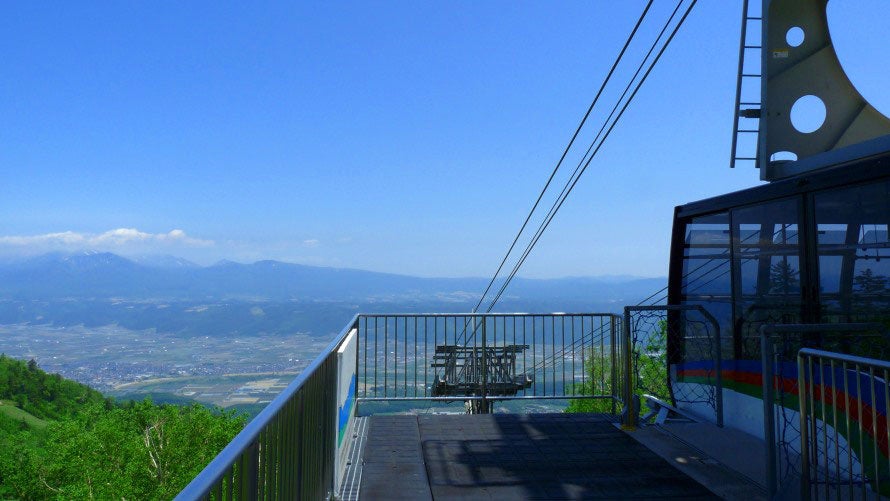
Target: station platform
{"x":530,"y":456}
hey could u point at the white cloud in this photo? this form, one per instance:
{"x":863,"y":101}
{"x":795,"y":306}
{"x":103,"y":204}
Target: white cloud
{"x":312,"y":242}
{"x":65,"y":238}
{"x":111,"y":239}
{"x":122,"y":236}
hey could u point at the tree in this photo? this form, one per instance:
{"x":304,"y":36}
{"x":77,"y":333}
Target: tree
{"x":93,"y":448}
{"x":650,"y":373}
{"x":783,"y":278}
{"x":599,"y":382}
{"x":867,"y":283}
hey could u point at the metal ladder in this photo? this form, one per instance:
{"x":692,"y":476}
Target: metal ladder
{"x":747,"y":110}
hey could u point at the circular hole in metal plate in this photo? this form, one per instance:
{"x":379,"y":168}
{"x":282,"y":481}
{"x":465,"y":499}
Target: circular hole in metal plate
{"x":808,"y":114}
{"x":794,"y":36}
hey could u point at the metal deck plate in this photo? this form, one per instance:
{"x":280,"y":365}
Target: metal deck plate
{"x":514,"y":456}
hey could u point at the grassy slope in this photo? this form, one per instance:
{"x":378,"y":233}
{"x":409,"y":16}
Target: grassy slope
{"x":10,"y":410}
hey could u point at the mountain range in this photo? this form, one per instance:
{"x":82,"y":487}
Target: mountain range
{"x":170,"y":294}
{"x":97,"y":275}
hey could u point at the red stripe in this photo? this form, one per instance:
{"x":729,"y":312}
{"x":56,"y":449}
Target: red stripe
{"x":839,"y":399}
{"x":836,"y":398}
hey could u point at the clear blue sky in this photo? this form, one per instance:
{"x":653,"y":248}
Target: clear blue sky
{"x":408,"y":137}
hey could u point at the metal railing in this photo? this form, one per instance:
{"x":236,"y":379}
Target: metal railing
{"x":844,"y":406}
{"x":780,"y":344}
{"x":675,"y":355}
{"x":485,"y":358}
{"x":288,"y":450}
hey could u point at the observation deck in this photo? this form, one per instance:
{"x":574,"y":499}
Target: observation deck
{"x":369,"y":419}
{"x":644,"y":393}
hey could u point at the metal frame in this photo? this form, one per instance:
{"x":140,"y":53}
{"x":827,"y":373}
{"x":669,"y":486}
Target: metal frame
{"x":741,"y":76}
{"x":398,"y":349}
{"x":630,"y":413}
{"x":808,"y":425}
{"x":288,"y":450}
{"x":767,"y":360}
{"x":854,"y":166}
{"x":846,"y":169}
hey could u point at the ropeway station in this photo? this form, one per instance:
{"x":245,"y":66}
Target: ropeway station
{"x":761,"y":372}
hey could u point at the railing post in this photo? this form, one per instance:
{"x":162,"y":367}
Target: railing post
{"x":769,"y":425}
{"x":718,"y":351}
{"x":613,"y":344}
{"x":249,"y":471}
{"x":485,"y":409}
{"x":300,"y":448}
{"x":630,"y":413}
{"x":804,"y":431}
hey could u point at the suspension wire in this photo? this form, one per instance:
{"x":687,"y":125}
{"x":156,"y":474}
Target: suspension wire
{"x":572,"y":182}
{"x":567,"y":190}
{"x":562,"y":194}
{"x":589,"y":156}
{"x":544,"y":364}
{"x":547,"y":222}
{"x":551,"y":361}
{"x":551,"y":214}
{"x":562,"y":158}
{"x":565,"y":152}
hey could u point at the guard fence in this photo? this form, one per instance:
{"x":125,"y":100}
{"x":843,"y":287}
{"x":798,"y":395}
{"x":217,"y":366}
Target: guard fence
{"x":787,"y":385}
{"x":674,"y":356}
{"x":844,"y":406}
{"x":481,"y":359}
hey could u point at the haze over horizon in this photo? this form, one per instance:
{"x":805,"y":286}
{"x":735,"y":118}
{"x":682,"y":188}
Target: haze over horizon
{"x":155,"y":260}
{"x":398,"y":138}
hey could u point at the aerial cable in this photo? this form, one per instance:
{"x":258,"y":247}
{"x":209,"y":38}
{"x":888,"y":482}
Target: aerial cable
{"x":559,"y":203}
{"x":596,"y":98}
{"x":599,"y":133}
{"x":551,"y":361}
{"x":689,"y":273}
{"x":718,"y":266}
{"x":623,"y":109}
{"x":570,"y":184}
{"x":564,"y":153}
{"x":546,"y":223}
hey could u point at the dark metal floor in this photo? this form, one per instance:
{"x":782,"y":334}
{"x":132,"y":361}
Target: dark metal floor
{"x":513,"y":456}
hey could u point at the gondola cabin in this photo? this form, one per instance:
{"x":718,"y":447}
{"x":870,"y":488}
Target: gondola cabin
{"x":811,"y":249}
{"x":800,"y":262}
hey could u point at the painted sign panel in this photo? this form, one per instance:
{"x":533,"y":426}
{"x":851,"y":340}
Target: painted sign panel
{"x":346,"y":381}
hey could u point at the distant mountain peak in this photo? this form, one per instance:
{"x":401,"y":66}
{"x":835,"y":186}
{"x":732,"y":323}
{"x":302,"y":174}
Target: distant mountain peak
{"x":103,"y":274}
{"x":94,"y":257}
{"x":225,"y":262}
{"x":163,"y":261}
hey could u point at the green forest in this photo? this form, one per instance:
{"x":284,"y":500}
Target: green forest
{"x":60,"y":439}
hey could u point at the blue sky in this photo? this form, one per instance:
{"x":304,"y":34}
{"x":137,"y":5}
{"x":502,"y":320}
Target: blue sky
{"x":405,"y":137}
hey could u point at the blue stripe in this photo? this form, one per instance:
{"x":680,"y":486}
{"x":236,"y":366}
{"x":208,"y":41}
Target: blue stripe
{"x":789,"y":371}
{"x":344,"y":412}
